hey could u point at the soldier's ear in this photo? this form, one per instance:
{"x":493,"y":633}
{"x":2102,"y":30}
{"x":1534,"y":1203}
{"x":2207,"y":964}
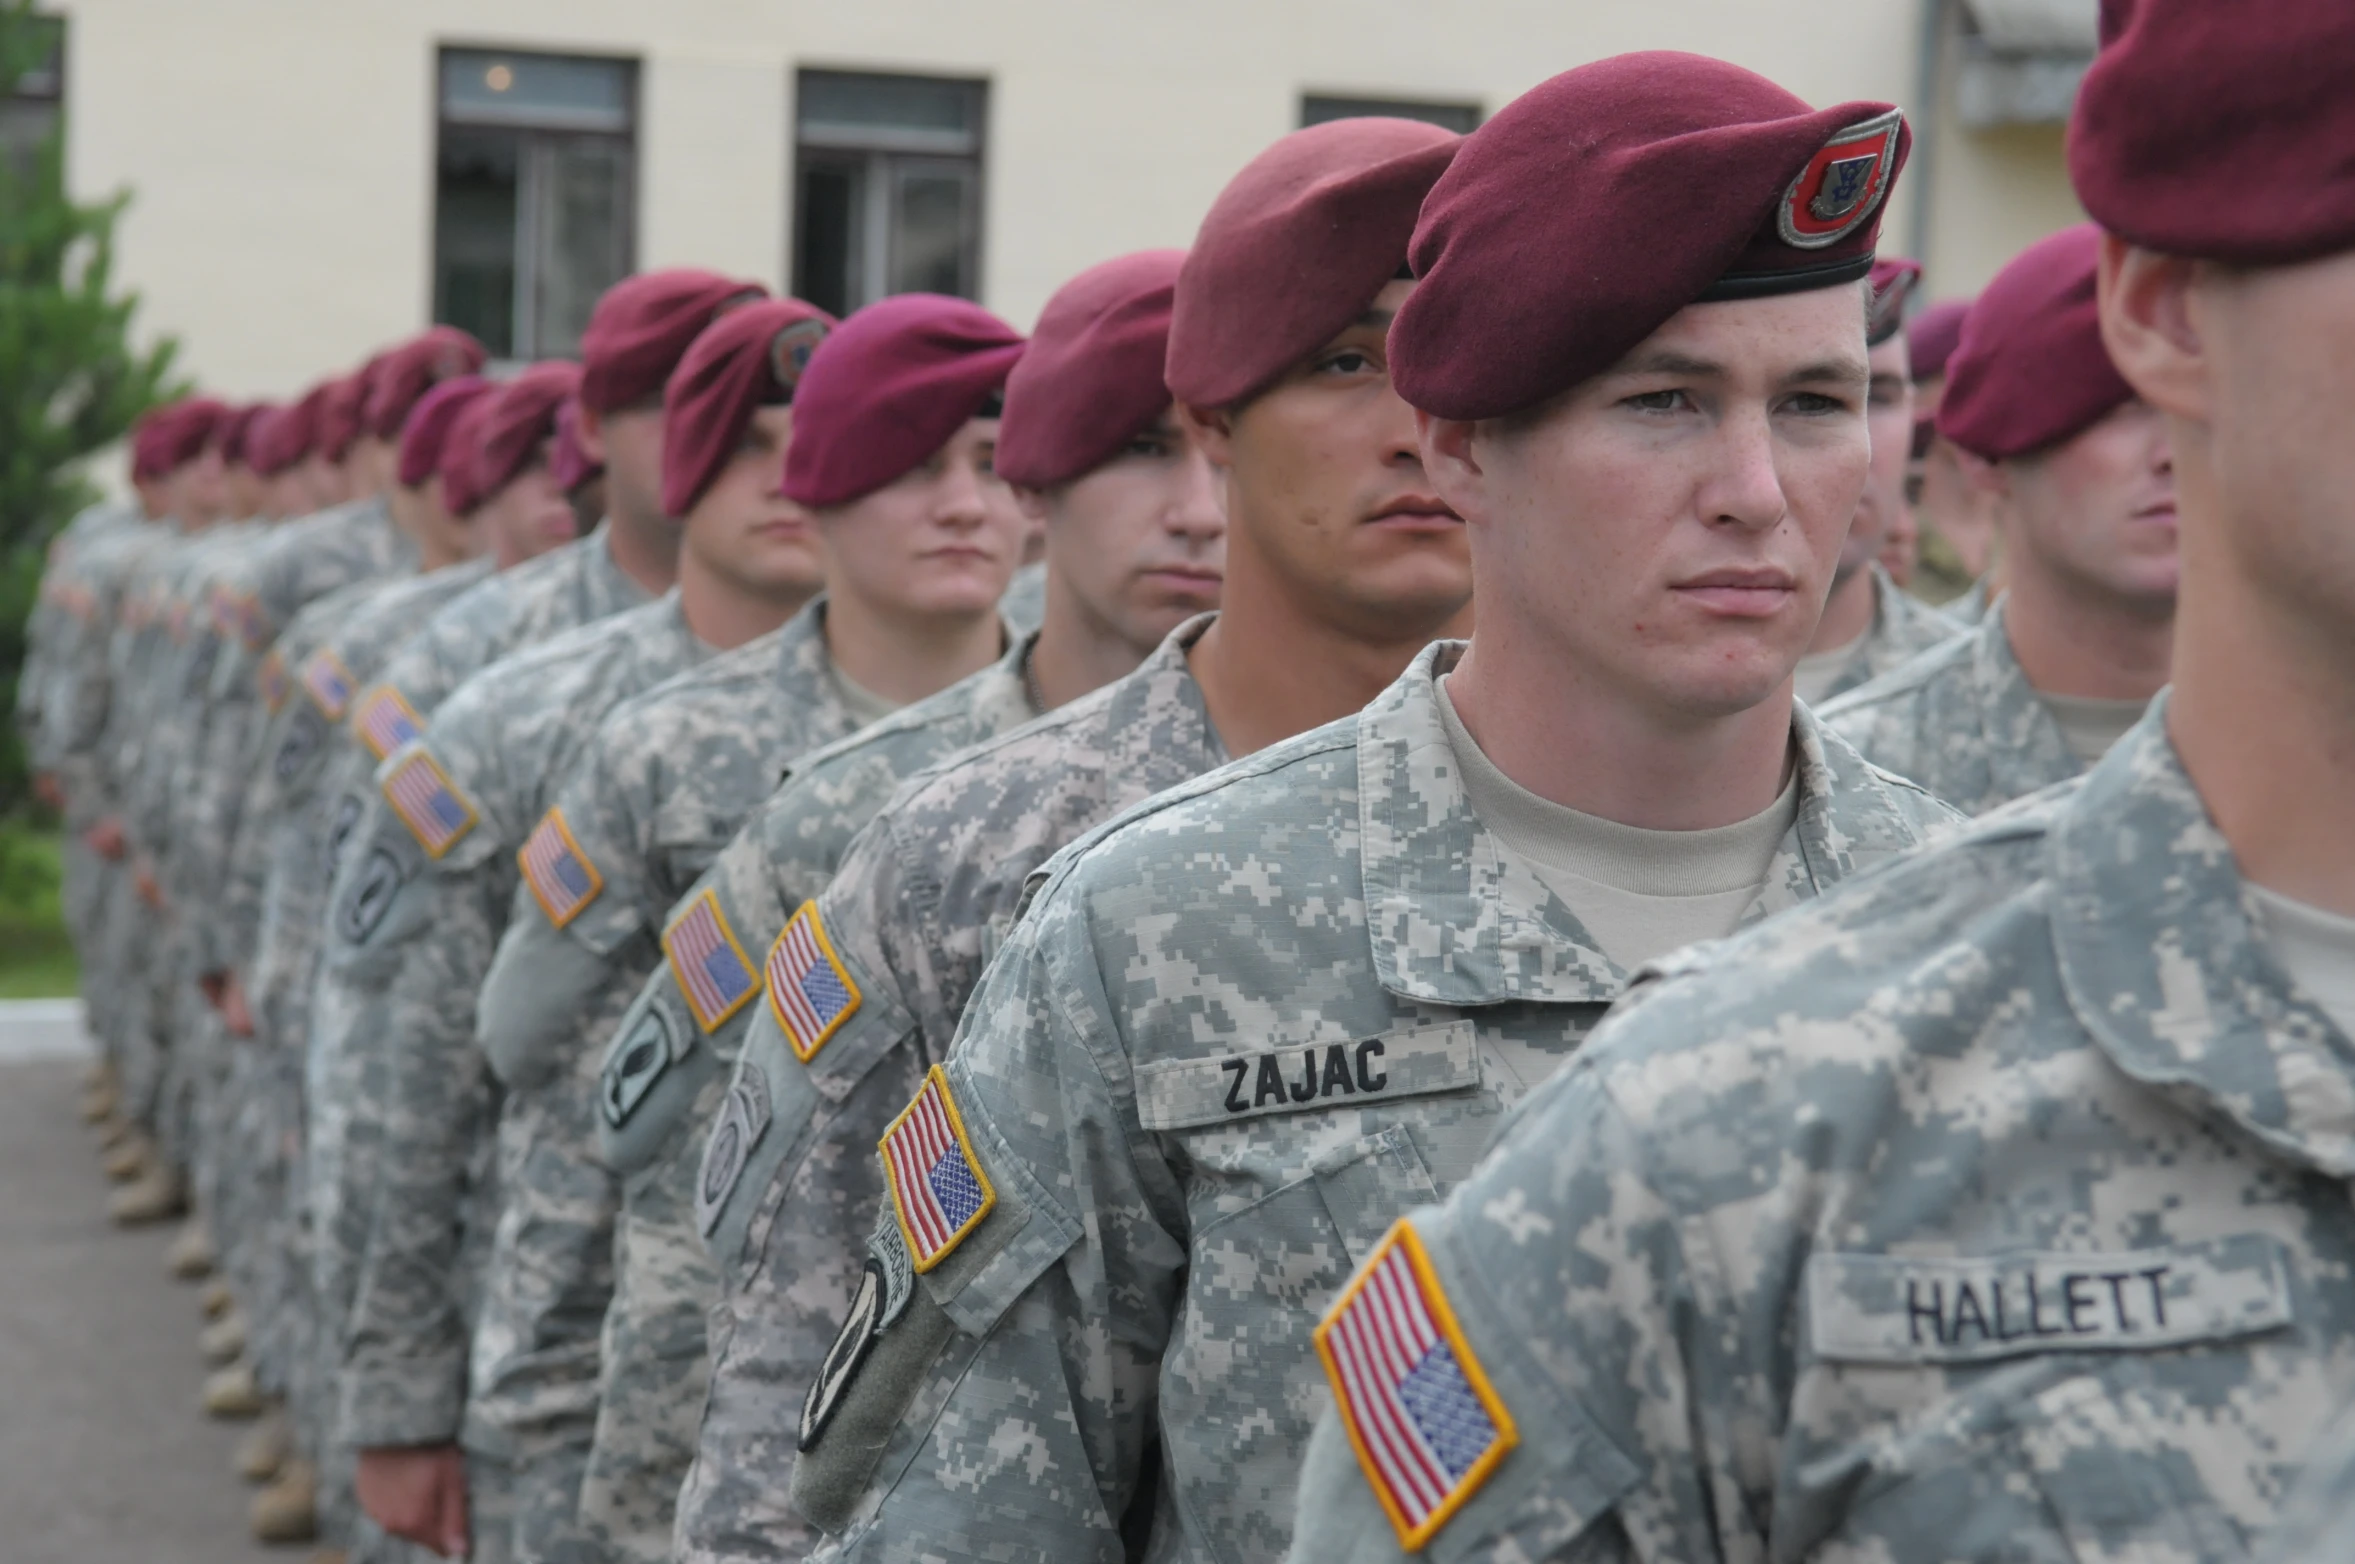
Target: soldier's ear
{"x":2151,"y":323}
{"x":1983,"y":479}
{"x":1211,"y":428}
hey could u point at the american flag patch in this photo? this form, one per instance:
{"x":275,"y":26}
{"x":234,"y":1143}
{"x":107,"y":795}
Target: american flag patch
{"x":1427,"y":1426}
{"x":556,"y":869}
{"x":434,"y":811}
{"x":937,"y":1185}
{"x":272,"y":682}
{"x":386,"y":721}
{"x":711,"y":967}
{"x":329,"y":684}
{"x":809,"y":992}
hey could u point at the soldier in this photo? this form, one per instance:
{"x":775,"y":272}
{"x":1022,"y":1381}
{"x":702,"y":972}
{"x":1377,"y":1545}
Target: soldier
{"x":2065,"y":664}
{"x":894,"y":430}
{"x":1869,"y":624}
{"x":1957,"y":543}
{"x":1134,"y":529}
{"x":1340,"y":566}
{"x":1241,"y":1028}
{"x":1995,"y":1208}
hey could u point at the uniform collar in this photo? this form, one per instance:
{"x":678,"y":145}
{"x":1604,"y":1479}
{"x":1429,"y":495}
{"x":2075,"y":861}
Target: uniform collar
{"x":2162,"y":961}
{"x":2022,"y":740}
{"x":605,"y":587}
{"x":1458,"y":918}
{"x":1157,"y":730}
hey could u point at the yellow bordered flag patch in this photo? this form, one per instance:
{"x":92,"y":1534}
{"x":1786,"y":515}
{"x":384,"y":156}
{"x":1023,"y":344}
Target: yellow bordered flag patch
{"x":1427,"y":1425}
{"x":938,"y":1189}
{"x":272,"y":681}
{"x":429,"y":804}
{"x":712,"y":969}
{"x":810,"y":992}
{"x":329,"y":684}
{"x":559,"y":873}
{"x":385,"y":721}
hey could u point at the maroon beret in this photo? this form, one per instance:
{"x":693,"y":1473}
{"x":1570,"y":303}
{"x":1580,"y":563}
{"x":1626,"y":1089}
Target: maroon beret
{"x":461,"y":466}
{"x":1598,"y":204}
{"x":174,"y":435}
{"x":1091,"y":379}
{"x":398,"y":378}
{"x":887,"y":388}
{"x":232,"y":433}
{"x":640,"y":330}
{"x":2223,"y":131}
{"x":425,"y":433}
{"x":2031,"y":369}
{"x":1294,"y":249}
{"x":1930,"y":336}
{"x":1893,"y":281}
{"x":517,"y":420}
{"x":340,"y":405}
{"x":751,"y":357}
{"x":574,"y":466}
{"x":285,"y":434}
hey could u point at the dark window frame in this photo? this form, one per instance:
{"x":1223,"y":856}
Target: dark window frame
{"x":895,"y":149}
{"x":53,"y":94}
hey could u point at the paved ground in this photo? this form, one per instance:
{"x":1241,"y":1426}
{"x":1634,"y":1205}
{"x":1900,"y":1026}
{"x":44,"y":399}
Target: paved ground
{"x":105,"y":1457}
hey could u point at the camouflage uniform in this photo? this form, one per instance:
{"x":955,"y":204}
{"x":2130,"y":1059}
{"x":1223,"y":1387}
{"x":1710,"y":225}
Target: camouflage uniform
{"x":1961,"y":720}
{"x":667,"y":780}
{"x":655,"y":1103}
{"x":348,"y":1055}
{"x":1995,"y":1208}
{"x":1024,"y":603}
{"x":2320,"y":1515}
{"x":788,"y":1186}
{"x":1903,"y":628}
{"x":1235,"y":1034}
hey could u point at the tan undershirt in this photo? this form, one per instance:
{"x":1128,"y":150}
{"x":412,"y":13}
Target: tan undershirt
{"x":2091,"y":724}
{"x":2316,"y":948}
{"x":1640,"y":893}
{"x":1819,"y":671}
{"x":865,"y":705}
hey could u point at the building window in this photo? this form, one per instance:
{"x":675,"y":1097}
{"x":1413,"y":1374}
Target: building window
{"x":888,"y":187}
{"x":535,"y":207}
{"x":32,"y":108}
{"x":1462,"y":118}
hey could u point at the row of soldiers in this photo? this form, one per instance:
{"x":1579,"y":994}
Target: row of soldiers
{"x":779,"y":1028}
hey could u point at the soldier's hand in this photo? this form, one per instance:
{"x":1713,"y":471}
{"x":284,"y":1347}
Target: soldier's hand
{"x":418,"y":1493}
{"x":106,"y":838}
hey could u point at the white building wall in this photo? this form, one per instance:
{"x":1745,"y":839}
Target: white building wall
{"x":282,"y":151}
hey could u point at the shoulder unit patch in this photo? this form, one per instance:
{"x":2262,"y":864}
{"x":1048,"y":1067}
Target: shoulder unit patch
{"x":560,"y":874}
{"x":429,"y":803}
{"x":385,"y":721}
{"x":329,"y":684}
{"x":937,"y":1186}
{"x":1427,"y":1426}
{"x":711,"y":966}
{"x":810,"y":993}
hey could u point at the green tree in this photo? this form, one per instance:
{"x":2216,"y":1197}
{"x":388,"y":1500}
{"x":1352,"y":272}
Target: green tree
{"x":71,"y":379}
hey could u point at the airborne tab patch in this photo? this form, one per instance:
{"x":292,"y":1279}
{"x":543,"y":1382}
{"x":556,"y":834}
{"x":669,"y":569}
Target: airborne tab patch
{"x":559,"y":873}
{"x":385,"y":721}
{"x":1427,"y":1426}
{"x":810,"y":993}
{"x":711,"y":967}
{"x":429,"y":804}
{"x":937,"y":1185}
{"x":329,"y":684}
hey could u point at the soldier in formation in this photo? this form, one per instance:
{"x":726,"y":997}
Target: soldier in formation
{"x":695,"y":1009}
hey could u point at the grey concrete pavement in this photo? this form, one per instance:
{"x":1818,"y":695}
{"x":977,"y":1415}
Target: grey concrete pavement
{"x":105,"y":1456}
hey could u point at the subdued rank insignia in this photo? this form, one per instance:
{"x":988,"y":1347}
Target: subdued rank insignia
{"x":329,"y":684}
{"x":886,"y":1283}
{"x":937,"y":1186}
{"x":1427,"y":1426}
{"x":385,"y":721}
{"x":744,"y":1117}
{"x":559,"y":873}
{"x":643,"y":1056}
{"x":429,"y":804}
{"x":711,"y":967}
{"x":810,"y":993}
{"x":272,"y":681}
{"x":1842,"y":185}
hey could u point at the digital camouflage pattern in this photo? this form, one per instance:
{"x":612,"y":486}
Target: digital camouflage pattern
{"x":667,"y":779}
{"x":1236,"y":1034}
{"x":1903,"y":628}
{"x":924,"y":895}
{"x":656,"y":1103}
{"x":2320,"y":1515}
{"x":1962,"y":720}
{"x":1994,"y":1208}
